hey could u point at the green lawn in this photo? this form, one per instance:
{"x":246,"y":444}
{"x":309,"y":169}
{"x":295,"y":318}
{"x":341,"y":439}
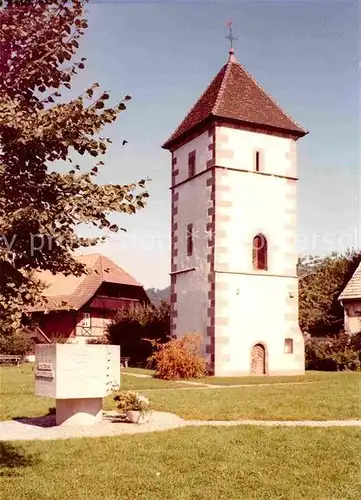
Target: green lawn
{"x":246,"y":463}
{"x":310,"y":376}
{"x":335,"y":397}
{"x":322,"y":396}
{"x":235,"y":463}
{"x":140,"y":371}
{"x":327,"y":396}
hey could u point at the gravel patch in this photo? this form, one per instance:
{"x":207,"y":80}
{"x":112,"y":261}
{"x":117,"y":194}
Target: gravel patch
{"x":26,"y":429}
{"x":44,"y":428}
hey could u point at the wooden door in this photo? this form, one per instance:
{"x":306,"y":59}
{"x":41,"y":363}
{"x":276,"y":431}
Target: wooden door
{"x":258,"y":360}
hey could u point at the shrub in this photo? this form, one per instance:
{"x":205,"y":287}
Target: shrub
{"x":178,"y":358}
{"x":18,"y":343}
{"x":131,"y":401}
{"x":98,"y":341}
{"x":336,"y":353}
{"x":130,"y":327}
{"x":58,"y":338}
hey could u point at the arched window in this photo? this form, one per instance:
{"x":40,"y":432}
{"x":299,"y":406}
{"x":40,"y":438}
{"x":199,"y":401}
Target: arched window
{"x":259,"y":253}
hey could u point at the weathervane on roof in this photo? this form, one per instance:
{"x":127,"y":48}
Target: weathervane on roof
{"x":230,"y":37}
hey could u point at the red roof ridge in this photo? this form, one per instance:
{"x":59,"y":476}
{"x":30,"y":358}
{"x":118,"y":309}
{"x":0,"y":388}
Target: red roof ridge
{"x":86,"y":254}
{"x":100,"y":259}
{"x":116,"y":267}
{"x":195,"y":105}
{"x":269,"y":96}
{"x":227,"y":72}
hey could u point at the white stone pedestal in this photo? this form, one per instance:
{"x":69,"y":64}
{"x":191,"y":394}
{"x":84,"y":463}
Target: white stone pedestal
{"x":87,"y":411}
{"x":78,"y":377}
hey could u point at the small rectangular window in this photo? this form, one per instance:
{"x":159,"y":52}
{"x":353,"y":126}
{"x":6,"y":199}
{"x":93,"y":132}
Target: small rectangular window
{"x":191,"y":164}
{"x":86,"y":319}
{"x":190,"y":239}
{"x":258,"y":158}
{"x":288,"y":346}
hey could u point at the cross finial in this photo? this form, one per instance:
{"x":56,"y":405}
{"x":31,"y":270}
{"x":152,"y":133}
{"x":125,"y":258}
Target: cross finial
{"x":230,"y":37}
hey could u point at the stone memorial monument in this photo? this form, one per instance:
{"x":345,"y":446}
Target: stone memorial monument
{"x":77,"y":376}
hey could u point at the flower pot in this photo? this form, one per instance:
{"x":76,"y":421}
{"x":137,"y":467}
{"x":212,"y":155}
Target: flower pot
{"x":136,"y":417}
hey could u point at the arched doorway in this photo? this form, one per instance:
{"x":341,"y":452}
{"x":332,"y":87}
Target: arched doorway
{"x":258,"y":361}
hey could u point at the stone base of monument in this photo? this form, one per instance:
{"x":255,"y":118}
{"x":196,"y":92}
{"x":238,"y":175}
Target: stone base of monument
{"x":87,"y":411}
{"x":78,"y":377}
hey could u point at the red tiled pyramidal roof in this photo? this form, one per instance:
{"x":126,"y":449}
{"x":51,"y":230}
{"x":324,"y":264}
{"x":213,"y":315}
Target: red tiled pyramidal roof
{"x":235,"y":95}
{"x":72,"y":292}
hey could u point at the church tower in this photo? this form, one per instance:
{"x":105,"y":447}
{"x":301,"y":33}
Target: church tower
{"x":234,"y":203}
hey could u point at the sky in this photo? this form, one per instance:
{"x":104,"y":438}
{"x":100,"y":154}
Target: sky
{"x":306,"y":54}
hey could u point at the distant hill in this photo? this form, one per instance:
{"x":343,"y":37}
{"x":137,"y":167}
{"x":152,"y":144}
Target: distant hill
{"x":156,"y":295}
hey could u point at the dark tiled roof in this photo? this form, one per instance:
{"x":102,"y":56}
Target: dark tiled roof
{"x":235,"y":95}
{"x":75,"y":291}
{"x":353,"y":288}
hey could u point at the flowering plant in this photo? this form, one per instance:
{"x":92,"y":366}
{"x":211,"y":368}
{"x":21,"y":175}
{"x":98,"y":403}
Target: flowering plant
{"x":131,"y":401}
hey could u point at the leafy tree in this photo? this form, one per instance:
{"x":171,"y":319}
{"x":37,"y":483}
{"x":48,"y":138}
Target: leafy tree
{"x":321,"y":282}
{"x":17,"y":344}
{"x":131,"y":326}
{"x":307,"y":265}
{"x":40,"y":208}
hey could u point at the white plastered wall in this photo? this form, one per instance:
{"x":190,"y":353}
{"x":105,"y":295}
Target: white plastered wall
{"x":256,"y":306}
